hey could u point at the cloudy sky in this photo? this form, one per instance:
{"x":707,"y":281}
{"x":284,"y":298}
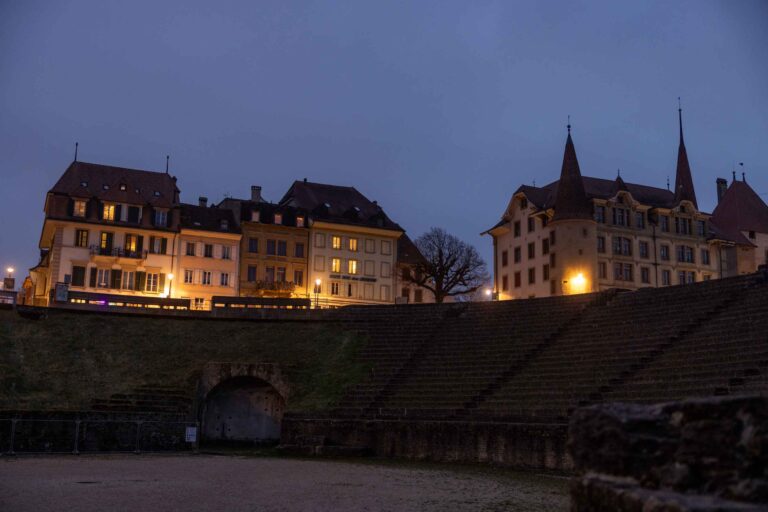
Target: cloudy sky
{"x":438,"y":110}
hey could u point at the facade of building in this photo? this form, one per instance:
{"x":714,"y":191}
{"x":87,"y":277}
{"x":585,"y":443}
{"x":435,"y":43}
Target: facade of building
{"x":274,"y":248}
{"x":109,"y":230}
{"x":408,"y":258}
{"x":581,"y":234}
{"x":352,"y":253}
{"x":207,"y":254}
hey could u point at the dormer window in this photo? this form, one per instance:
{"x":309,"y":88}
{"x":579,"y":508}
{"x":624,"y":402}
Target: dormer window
{"x":83,"y":184}
{"x":123,"y":187}
{"x":105,"y":187}
{"x":299,"y":222}
{"x":278,"y":218}
{"x":224,"y":224}
{"x":79,"y":208}
{"x":108,"y":212}
{"x":157,"y":193}
{"x":327,"y":205}
{"x":161,"y":218}
{"x":255,"y":216}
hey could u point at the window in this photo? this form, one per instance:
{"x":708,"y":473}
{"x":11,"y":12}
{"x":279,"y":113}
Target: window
{"x":81,"y":238}
{"x":336,"y":242}
{"x":189,"y":276}
{"x":523,"y":203}
{"x":282,"y":248}
{"x":298,"y":277}
{"x":505,"y":283}
{"x":552,"y":260}
{"x":545,"y":272}
{"x":133,"y":214}
{"x":269,"y":274}
{"x":518,"y":254}
{"x":504,"y":258}
{"x":545,"y":246}
{"x":224,"y":279}
{"x":622,"y":246}
{"x":208,"y":251}
{"x":199,"y":303}
{"x":353,"y":244}
{"x":644,"y":249}
{"x":278,"y":218}
{"x":701,"y":227}
{"x":600,"y":214}
{"x":251,"y":273}
{"x":517,"y":228}
{"x":129,"y":280}
{"x":386,"y":269}
{"x":319,"y":240}
{"x":684,"y":277}
{"x":206,"y":277}
{"x":531,"y":224}
{"x":685,"y":254}
{"x":78,"y":276}
{"x":224,"y":224}
{"x":226,"y":252}
{"x":271,"y":247}
{"x":705,"y":256}
{"x":418,"y":296}
{"x":190,"y":248}
{"x":622,"y":272}
{"x":664,"y":252}
{"x":640,"y":220}
{"x":319,"y":263}
{"x":298,"y":250}
{"x":352,"y":267}
{"x":666,"y":277}
{"x":336,"y":265}
{"x":253,"y":245}
{"x":664,"y":222}
{"x":531,"y":250}
{"x":532,"y":275}
{"x":603,"y":270}
{"x":682,"y":226}
{"x":645,"y":275}
{"x":620,"y":217}
{"x":386,"y":249}
{"x":161,"y":218}
{"x":158,"y":245}
{"x":552,"y":237}
{"x":108,"y":212}
{"x":299,"y":221}
{"x":79,"y":208}
{"x":153,"y":282}
{"x":106,"y":242}
{"x":334,"y":288}
{"x":131,"y":243}
{"x":255,"y":216}
{"x":280,"y":276}
{"x":601,"y":244}
{"x":384,"y":292}
{"x":518,"y":281}
{"x":351,"y":290}
{"x":102,"y":280}
{"x":370,"y":268}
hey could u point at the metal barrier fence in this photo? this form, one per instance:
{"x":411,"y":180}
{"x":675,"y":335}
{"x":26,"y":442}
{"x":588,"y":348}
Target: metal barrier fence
{"x":22,"y":435}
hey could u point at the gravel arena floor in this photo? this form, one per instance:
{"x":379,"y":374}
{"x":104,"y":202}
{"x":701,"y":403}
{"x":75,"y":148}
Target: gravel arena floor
{"x":191,"y":483}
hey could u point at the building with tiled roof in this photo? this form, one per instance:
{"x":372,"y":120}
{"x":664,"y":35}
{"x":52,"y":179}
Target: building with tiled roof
{"x":580,"y":234}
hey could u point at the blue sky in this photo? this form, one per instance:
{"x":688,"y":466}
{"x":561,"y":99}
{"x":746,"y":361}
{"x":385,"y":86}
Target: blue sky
{"x":438,"y":110}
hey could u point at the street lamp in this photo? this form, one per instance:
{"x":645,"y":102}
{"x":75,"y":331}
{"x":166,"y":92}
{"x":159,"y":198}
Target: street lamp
{"x":10,"y":271}
{"x":489,"y":293}
{"x":317,"y":293}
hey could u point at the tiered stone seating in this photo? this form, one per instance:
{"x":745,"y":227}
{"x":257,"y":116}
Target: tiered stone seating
{"x":608,"y":346}
{"x":144,"y":399}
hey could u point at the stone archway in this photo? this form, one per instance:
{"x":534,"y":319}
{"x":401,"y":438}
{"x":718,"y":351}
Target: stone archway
{"x":241,"y":402}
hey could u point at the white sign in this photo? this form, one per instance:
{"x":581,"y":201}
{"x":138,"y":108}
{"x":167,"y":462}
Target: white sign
{"x":191,"y":435}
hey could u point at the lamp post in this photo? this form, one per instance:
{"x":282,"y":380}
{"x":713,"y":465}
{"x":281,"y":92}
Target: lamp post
{"x":170,"y":284}
{"x":8,"y":282}
{"x":317,"y":293}
{"x":10,"y":271}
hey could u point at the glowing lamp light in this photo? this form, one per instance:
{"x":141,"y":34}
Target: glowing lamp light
{"x":317,"y":282}
{"x":10,"y":270}
{"x":170,"y":276}
{"x":578,"y":283}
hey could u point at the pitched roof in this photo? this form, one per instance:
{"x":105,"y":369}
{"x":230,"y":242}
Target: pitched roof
{"x":337,"y":204}
{"x":118,"y":184}
{"x":407,"y":252}
{"x":570,"y":198}
{"x":683,"y":181}
{"x":741,"y":209}
{"x":208,"y":219}
{"x":266,"y":211}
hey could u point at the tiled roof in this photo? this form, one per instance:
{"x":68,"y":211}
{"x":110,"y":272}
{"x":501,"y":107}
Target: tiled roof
{"x":407,"y":252}
{"x":741,"y":209}
{"x":683,"y":181}
{"x":208,"y":219}
{"x":571,"y":199}
{"x":337,"y":204}
{"x":118,"y":184}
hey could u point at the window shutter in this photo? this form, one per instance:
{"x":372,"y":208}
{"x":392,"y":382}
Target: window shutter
{"x":164,"y":246}
{"x":152,"y":245}
{"x":151,"y":215}
{"x":169,"y":219}
{"x":92,"y":278}
{"x":70,"y":207}
{"x":161,"y":284}
{"x":140,"y":244}
{"x":88,"y":208}
{"x":109,"y":242}
{"x":100,"y":211}
{"x":118,"y":212}
{"x":141,"y":279}
{"x":116,"y":275}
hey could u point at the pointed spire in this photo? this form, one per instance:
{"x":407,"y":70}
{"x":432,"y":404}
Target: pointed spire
{"x":683,"y":180}
{"x":76,"y":145}
{"x":571,"y":201}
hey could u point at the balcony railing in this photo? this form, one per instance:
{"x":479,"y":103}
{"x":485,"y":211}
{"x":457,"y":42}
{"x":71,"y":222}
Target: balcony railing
{"x":117,"y":252}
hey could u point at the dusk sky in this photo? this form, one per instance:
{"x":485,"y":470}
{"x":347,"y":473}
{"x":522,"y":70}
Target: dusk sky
{"x":438,"y":110}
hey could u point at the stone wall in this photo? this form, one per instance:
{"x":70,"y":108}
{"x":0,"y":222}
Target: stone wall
{"x":703,"y":455}
{"x":519,"y":445}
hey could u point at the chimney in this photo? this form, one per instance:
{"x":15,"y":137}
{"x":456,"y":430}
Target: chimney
{"x":722,"y":186}
{"x":256,"y":194}
{"x":202,"y":201}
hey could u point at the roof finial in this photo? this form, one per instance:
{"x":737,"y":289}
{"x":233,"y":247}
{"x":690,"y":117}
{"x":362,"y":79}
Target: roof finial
{"x":680,"y":117}
{"x":734,"y":175}
{"x":667,"y":182}
{"x":167,"y":161}
{"x":743,"y":174}
{"x":76,"y":144}
{"x":569,"y":124}
{"x":618,"y":173}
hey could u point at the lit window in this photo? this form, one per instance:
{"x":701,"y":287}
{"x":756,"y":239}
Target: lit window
{"x":353,"y":244}
{"x":123,"y":187}
{"x":336,"y":242}
{"x":130,"y":243}
{"x":79,"y":208}
{"x":108,"y":213}
{"x":352,"y":266}
{"x":335,"y":265}
{"x":299,"y":222}
{"x":255,"y":216}
{"x":278,"y":218}
{"x":153,"y":281}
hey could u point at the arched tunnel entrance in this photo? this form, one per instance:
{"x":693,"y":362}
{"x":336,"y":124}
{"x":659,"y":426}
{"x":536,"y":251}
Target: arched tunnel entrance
{"x":241,"y":403}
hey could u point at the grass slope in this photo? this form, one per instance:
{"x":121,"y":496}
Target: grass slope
{"x":68,"y":359}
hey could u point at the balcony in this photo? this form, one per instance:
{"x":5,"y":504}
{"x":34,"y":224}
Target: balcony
{"x":117,"y":252}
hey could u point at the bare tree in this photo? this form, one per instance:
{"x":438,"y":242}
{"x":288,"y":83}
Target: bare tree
{"x":450,"y":267}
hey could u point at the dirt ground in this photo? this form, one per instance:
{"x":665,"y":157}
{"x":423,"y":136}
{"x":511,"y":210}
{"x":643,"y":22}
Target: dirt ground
{"x":191,"y":483}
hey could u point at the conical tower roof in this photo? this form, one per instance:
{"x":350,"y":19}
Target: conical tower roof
{"x":683,"y":180}
{"x":571,"y":200}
